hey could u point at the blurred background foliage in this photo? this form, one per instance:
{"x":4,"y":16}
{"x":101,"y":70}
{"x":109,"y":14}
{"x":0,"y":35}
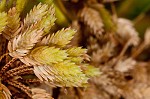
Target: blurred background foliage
{"x":136,"y":10}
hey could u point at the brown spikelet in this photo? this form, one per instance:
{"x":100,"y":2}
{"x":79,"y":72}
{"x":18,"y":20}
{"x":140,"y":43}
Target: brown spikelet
{"x":21,"y":70}
{"x":126,"y":31}
{"x":92,"y":19}
{"x":23,"y":43}
{"x":125,"y":65}
{"x":31,"y":81}
{"x":12,"y":28}
{"x":6,"y":67}
{"x":38,"y":93}
{"x":103,"y":54}
{"x":20,"y":86}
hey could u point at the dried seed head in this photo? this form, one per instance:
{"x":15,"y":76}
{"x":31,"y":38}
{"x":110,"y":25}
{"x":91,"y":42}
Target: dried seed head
{"x":103,"y":54}
{"x":125,"y":65}
{"x":126,"y":31}
{"x":93,"y":20}
{"x":38,"y":93}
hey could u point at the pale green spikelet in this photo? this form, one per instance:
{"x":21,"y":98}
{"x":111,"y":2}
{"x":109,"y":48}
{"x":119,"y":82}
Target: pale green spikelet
{"x":48,"y":21}
{"x":75,"y":54}
{"x":13,"y":25}
{"x":48,"y":55}
{"x":42,"y":16}
{"x":90,"y":71}
{"x":20,"y":4}
{"x":62,"y":74}
{"x":62,"y":37}
{"x":76,"y":60}
{"x":13,"y":19}
{"x":35,"y":15}
{"x":76,"y":51}
{"x":69,"y":74}
{"x":3,"y":21}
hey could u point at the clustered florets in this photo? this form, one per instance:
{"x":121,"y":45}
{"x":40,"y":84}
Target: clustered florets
{"x":42,"y":52}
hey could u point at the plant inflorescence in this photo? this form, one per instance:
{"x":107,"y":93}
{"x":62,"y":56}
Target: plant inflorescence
{"x":37,"y":55}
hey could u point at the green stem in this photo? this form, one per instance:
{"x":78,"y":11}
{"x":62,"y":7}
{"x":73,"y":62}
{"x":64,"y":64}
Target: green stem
{"x":63,"y":9}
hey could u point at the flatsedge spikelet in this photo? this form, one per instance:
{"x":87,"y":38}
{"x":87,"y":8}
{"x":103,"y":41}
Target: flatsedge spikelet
{"x":72,"y":73}
{"x":62,"y":37}
{"x":42,"y":16}
{"x":92,"y":19}
{"x":126,"y":31}
{"x":62,"y":74}
{"x":35,"y":15}
{"x":23,"y":43}
{"x":106,"y":17}
{"x":39,"y":93}
{"x":90,"y":71}
{"x":48,"y":20}
{"x":13,"y":25}
{"x":75,"y":54}
{"x":77,"y":60}
{"x":76,"y":51}
{"x":48,"y":55}
{"x":3,"y":21}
